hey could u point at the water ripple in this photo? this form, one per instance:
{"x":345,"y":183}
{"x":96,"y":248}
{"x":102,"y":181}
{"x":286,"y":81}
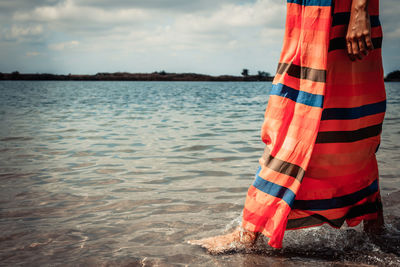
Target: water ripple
{"x":122,"y":173}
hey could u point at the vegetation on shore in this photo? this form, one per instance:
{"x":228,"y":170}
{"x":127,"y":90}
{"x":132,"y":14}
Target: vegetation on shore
{"x":125,"y":76}
{"x":393,"y":76}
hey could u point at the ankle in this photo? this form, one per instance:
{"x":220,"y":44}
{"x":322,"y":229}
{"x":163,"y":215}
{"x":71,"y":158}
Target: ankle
{"x":246,"y":235}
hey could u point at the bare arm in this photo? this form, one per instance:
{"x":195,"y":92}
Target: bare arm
{"x":358,"y":37}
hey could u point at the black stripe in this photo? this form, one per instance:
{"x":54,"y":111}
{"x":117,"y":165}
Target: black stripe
{"x":301,"y":72}
{"x":337,"y":202}
{"x":314,"y":219}
{"x":349,"y":136}
{"x":343,"y":18}
{"x":317,"y":219}
{"x":363,"y":209}
{"x":340,"y":43}
{"x":354,"y":112}
{"x":285,"y":167}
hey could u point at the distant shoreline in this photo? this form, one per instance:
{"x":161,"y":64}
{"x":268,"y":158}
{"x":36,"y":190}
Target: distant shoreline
{"x":124,"y":76}
{"x":155,"y":76}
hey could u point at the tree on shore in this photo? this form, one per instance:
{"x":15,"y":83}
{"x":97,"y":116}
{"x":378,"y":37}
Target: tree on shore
{"x":245,"y":72}
{"x":160,"y":72}
{"x":393,"y":76}
{"x":15,"y":74}
{"x":263,"y":74}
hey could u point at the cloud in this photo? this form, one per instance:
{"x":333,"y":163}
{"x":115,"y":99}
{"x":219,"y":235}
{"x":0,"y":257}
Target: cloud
{"x":146,"y":26}
{"x":171,"y":6}
{"x":88,"y":15}
{"x":21,"y":33}
{"x":270,"y":36}
{"x":70,"y":11}
{"x":32,"y":54}
{"x":18,"y":31}
{"x":7,"y":7}
{"x":230,"y":26}
{"x":394,"y":34}
{"x":64,"y":45}
{"x":231,"y":17}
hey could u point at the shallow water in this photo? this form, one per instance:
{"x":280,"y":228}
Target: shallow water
{"x":123,"y":173}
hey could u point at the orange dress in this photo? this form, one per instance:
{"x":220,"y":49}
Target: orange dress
{"x":322,"y":126}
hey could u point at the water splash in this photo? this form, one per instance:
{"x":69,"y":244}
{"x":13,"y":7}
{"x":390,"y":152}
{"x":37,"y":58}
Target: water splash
{"x":348,"y":244}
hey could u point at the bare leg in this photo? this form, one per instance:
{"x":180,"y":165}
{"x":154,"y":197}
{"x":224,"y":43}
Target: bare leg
{"x":238,"y":239}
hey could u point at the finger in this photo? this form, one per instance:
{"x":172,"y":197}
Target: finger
{"x":350,"y":51}
{"x":356,"y":49}
{"x":368,"y":42}
{"x":362,"y":46}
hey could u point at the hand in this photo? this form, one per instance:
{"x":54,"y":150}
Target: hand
{"x":358,"y":37}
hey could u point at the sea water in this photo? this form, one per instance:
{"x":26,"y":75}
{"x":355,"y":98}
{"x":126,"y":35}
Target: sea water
{"x":124,"y":173}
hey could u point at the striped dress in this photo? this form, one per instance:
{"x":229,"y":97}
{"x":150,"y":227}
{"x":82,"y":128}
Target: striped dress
{"x":322,"y":127}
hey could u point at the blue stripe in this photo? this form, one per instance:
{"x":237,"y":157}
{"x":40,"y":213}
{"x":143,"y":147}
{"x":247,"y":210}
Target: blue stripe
{"x":297,"y":96}
{"x":311,"y":2}
{"x":353,"y":113}
{"x":274,"y":189}
{"x":336,"y":202}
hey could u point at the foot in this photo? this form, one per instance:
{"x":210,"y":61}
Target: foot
{"x":237,"y":240}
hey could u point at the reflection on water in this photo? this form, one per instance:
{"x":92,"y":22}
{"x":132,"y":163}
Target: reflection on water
{"x":123,"y":173}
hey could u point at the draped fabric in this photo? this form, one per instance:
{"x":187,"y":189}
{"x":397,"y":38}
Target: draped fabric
{"x":322,"y":126}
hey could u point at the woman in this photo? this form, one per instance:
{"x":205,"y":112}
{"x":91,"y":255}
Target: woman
{"x":322,"y":126}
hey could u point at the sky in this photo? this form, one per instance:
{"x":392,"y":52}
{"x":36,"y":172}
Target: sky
{"x":213,"y":37}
